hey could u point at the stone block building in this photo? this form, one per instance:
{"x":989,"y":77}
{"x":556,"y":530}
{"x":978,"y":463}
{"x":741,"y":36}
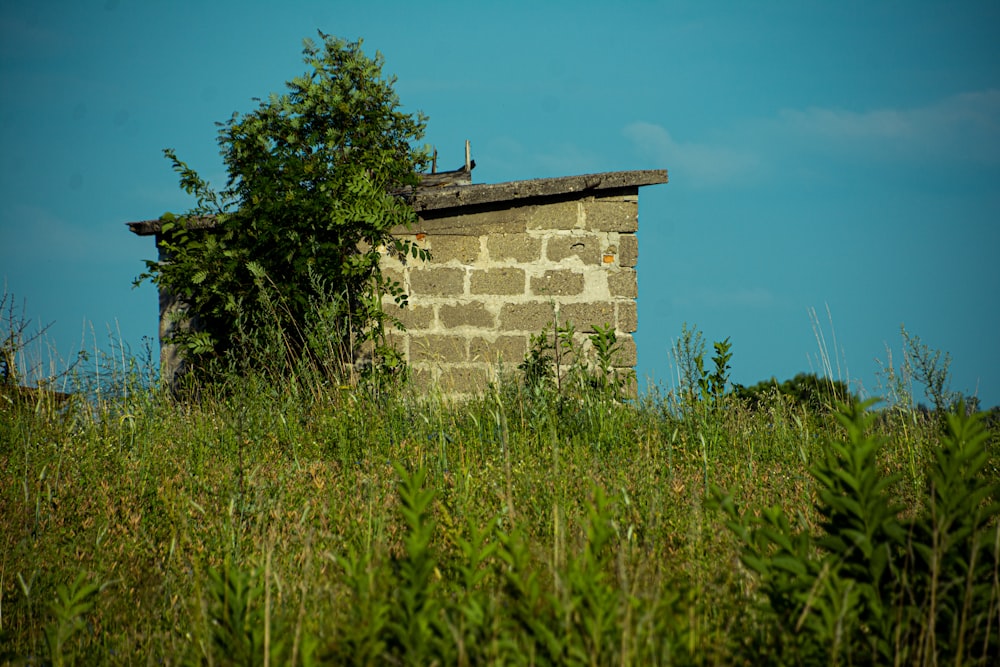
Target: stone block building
{"x":508,"y":260}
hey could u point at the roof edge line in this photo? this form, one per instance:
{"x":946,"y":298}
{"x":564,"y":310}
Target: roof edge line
{"x":479,"y":194}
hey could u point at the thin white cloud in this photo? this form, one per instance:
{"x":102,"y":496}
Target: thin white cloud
{"x":964,"y":128}
{"x":696,"y":164}
{"x":960,"y":129}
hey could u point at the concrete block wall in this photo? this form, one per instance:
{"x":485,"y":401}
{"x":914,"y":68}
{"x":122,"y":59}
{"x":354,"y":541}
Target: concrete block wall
{"x":496,"y":277}
{"x":509,"y":260}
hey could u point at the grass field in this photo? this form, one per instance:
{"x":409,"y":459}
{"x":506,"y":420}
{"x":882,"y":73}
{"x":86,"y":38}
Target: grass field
{"x":290,"y":522}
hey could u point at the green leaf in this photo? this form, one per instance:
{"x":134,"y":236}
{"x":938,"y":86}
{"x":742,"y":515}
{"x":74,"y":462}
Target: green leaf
{"x":792,"y":564}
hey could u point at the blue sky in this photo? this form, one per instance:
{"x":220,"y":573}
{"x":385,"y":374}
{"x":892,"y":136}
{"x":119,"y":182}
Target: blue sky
{"x":830,"y":156}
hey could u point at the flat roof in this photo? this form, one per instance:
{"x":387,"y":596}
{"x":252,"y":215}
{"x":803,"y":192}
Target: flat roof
{"x":447,"y":197}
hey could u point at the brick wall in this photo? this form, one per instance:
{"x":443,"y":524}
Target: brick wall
{"x":498,"y":276}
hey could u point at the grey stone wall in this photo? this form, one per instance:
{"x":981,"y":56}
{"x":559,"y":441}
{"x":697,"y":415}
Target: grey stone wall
{"x":497,"y":277}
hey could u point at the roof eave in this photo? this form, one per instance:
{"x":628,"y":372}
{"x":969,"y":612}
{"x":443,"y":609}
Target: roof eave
{"x":432,"y":199}
{"x":485,"y":194}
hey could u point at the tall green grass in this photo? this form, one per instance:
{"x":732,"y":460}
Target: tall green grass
{"x":306,"y":522}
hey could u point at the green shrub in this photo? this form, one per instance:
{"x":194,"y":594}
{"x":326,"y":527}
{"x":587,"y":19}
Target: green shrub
{"x":870,"y":585}
{"x":284,"y":262}
{"x":812,"y":392}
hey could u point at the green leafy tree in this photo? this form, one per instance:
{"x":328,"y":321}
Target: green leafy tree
{"x":818,"y":394}
{"x":291,"y":252}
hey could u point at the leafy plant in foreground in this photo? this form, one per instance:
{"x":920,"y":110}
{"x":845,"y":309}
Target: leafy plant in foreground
{"x":956,"y":548}
{"x":593,"y":604}
{"x":235,"y":613}
{"x":362,"y":639}
{"x":872,"y":587}
{"x":72,"y":604}
{"x":414,"y":620}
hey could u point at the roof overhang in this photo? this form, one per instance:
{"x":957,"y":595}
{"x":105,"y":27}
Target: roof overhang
{"x":443,"y":200}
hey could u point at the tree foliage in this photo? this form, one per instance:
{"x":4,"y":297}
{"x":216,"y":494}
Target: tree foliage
{"x":818,"y":394}
{"x":313,"y":193}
